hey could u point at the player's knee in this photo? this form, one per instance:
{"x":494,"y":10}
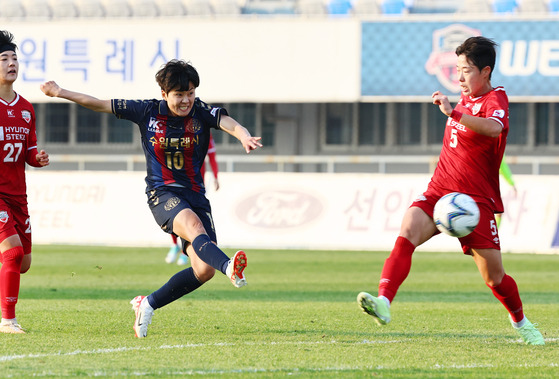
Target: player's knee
{"x":14,"y":254}
{"x":204,"y":274}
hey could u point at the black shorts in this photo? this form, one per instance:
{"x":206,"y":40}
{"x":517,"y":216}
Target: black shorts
{"x":166,"y":202}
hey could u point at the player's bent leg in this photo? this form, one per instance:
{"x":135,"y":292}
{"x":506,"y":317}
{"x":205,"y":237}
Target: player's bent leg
{"x":374,"y":306}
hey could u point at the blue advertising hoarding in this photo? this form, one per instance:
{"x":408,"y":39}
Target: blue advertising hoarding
{"x":416,"y":58}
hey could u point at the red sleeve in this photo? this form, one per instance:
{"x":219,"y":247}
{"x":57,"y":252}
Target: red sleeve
{"x":213,"y":163}
{"x":31,"y":157}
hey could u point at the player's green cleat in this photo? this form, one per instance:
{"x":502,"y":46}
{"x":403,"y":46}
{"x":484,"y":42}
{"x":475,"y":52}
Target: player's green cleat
{"x":529,"y":333}
{"x":375,"y":307}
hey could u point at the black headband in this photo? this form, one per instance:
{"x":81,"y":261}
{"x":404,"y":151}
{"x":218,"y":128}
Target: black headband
{"x":7,"y":47}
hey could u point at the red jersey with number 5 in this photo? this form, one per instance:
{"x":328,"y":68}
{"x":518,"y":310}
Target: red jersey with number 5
{"x":18,"y":144}
{"x":469,"y":162}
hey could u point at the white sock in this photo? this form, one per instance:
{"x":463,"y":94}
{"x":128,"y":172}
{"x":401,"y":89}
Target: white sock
{"x":385,"y":300}
{"x":145,"y":303}
{"x":9,"y":321}
{"x":520,"y":323}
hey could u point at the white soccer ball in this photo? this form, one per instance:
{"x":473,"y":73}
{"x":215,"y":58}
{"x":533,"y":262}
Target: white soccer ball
{"x":456,"y":214}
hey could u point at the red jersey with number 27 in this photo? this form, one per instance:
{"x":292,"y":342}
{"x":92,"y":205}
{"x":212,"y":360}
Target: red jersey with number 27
{"x":469,"y":161}
{"x":18,"y":144}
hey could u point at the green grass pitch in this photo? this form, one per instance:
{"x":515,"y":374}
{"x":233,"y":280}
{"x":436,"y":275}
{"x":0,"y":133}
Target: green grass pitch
{"x":297,"y":316}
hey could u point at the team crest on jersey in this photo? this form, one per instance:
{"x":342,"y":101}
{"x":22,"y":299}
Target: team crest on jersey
{"x":476,"y":108}
{"x":171,"y":203}
{"x":26,"y":115}
{"x":193,"y":126}
{"x":4,"y":216}
{"x":442,"y":60}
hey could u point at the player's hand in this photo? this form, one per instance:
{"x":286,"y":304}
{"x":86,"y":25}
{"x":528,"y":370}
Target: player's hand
{"x":251,"y":143}
{"x":216,"y":184}
{"x":443,"y":102}
{"x":43,"y":158}
{"x":50,"y":88}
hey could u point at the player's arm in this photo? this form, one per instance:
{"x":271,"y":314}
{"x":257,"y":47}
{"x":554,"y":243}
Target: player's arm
{"x":54,"y":90}
{"x":485,"y":126}
{"x":238,"y":131}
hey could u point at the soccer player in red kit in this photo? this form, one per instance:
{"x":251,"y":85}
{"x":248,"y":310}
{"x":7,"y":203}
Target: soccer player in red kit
{"x":18,"y":145}
{"x":473,"y":147}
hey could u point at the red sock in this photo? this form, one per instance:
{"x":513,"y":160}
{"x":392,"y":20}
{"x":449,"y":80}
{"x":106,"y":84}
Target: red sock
{"x":507,"y":294}
{"x":9,"y":281}
{"x":396,"y":268}
{"x":174,"y":238}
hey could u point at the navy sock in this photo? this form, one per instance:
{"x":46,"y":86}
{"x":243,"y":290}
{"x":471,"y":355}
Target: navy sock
{"x":180,"y":284}
{"x":210,"y":253}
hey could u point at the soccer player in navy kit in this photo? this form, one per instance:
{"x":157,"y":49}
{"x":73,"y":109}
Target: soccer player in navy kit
{"x":175,"y":137}
{"x":18,"y":146}
{"x":473,"y":147}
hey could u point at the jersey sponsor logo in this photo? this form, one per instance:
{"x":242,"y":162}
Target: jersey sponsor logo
{"x":476,"y":108}
{"x":1,"y":133}
{"x":456,"y":125}
{"x":26,"y":115}
{"x":155,"y":125}
{"x":11,"y":113}
{"x":442,"y":60}
{"x":4,"y":216}
{"x":171,"y":203}
{"x":498,"y":113}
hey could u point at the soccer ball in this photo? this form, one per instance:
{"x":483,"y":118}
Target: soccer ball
{"x":456,"y":214}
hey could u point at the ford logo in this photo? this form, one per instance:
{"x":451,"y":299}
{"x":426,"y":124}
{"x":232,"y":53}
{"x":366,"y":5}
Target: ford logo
{"x":279,"y":209}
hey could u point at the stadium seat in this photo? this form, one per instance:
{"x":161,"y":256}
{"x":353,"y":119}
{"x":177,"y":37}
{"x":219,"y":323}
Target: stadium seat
{"x":37,"y":9}
{"x":170,"y":8}
{"x":475,"y":6}
{"x":144,"y":8}
{"x":63,"y":9}
{"x":339,"y":7}
{"x":365,"y":7}
{"x":269,"y":7}
{"x":532,"y":6}
{"x":225,"y":7}
{"x":11,"y":10}
{"x":117,"y":8}
{"x":553,"y":6}
{"x":311,"y":7}
{"x":433,"y":6}
{"x":504,"y":6}
{"x":198,"y":8}
{"x":90,"y":8}
{"x":393,"y":7}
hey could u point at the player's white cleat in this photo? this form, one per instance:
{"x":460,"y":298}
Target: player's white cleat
{"x":11,"y":327}
{"x":375,"y":307}
{"x":172,"y":254}
{"x":183,"y":260}
{"x":144,"y":313}
{"x":529,"y":333}
{"x":235,"y":269}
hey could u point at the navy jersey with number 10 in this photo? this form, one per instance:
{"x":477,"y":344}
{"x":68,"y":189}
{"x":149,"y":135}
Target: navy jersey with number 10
{"x":175,"y":147}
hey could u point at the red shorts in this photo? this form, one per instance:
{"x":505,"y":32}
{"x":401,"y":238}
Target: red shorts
{"x":14,"y":219}
{"x":484,"y":236}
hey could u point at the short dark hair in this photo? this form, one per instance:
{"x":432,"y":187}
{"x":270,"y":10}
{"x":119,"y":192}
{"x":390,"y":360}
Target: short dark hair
{"x":177,"y":75}
{"x":7,"y":41}
{"x":481,"y":51}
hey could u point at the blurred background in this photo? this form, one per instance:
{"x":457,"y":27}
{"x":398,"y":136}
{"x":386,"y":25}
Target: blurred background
{"x":332,"y":86}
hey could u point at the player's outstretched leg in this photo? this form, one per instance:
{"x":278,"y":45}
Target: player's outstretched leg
{"x":374,"y":306}
{"x":235,"y":269}
{"x":11,"y":326}
{"x":529,"y":333}
{"x":144,"y":313}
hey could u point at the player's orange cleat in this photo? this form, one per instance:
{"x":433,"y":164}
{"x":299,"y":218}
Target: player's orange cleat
{"x":11,"y":327}
{"x":235,"y":269}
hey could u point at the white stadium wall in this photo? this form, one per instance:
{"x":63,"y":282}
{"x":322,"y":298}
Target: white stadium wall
{"x":275,"y":210}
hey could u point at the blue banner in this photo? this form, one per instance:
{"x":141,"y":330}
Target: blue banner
{"x":412,"y":58}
